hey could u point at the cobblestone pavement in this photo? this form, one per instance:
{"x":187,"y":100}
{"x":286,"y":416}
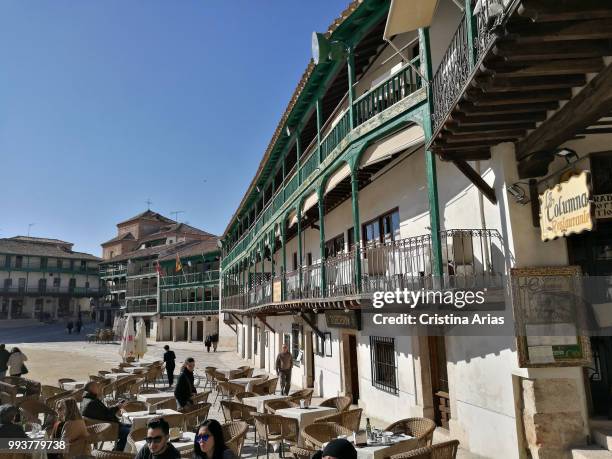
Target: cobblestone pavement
{"x":53,"y":354}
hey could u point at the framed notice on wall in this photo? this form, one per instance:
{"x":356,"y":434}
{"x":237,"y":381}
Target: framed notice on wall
{"x":547,"y":304}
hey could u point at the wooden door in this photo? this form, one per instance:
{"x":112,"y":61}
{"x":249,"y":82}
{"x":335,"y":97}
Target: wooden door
{"x":354,"y":372}
{"x":439,"y":380}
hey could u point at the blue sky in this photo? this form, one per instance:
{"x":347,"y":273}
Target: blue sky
{"x":105,"y":103}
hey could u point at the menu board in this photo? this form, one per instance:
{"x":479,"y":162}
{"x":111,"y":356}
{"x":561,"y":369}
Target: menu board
{"x":547,"y":310}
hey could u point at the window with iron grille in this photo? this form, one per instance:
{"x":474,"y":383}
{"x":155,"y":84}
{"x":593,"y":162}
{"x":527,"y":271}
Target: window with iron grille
{"x":384,"y":367}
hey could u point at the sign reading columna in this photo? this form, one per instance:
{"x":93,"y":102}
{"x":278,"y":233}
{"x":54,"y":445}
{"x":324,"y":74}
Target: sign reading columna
{"x":566,"y":208}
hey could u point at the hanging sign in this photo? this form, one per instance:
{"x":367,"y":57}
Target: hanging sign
{"x":603,"y":206}
{"x":566,"y":208}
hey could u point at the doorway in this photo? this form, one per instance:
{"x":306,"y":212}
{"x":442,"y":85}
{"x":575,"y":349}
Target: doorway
{"x":592,"y":251}
{"x":200,"y":330}
{"x":350,"y":369}
{"x":439,"y":380}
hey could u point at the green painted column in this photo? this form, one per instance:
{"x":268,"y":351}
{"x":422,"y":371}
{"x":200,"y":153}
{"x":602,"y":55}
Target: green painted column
{"x":272,"y":250}
{"x":298,"y":151}
{"x":350,"y":60}
{"x":299,"y":236}
{"x":430,"y":158}
{"x":356,"y":226}
{"x":322,"y":238}
{"x":319,"y":126}
{"x":284,"y":257}
{"x":471,"y":29}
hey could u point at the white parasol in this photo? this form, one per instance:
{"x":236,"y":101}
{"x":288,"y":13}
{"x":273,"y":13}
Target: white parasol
{"x":141,"y":338}
{"x":128,"y":347}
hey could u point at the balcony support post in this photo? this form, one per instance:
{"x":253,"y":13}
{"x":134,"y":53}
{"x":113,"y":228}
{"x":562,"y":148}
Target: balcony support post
{"x":430,"y":159}
{"x":272,"y":250}
{"x":298,"y":152}
{"x":356,"y":225}
{"x":319,"y":126}
{"x":350,"y":61}
{"x":322,"y":237}
{"x":299,"y":236}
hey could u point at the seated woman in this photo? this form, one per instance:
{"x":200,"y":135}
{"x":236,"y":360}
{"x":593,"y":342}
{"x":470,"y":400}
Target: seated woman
{"x":209,"y":442}
{"x":71,"y":428}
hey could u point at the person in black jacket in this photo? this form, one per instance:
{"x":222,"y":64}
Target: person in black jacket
{"x":169,"y":358}
{"x":8,"y":428}
{"x":93,"y":408}
{"x":158,"y":444}
{"x":185,"y":389}
{"x":4,"y":356}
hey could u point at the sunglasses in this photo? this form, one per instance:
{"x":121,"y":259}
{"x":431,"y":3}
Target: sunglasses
{"x":201,"y":438}
{"x":155,"y":440}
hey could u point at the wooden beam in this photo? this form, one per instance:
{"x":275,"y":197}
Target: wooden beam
{"x":468,"y":155}
{"x":588,"y":106}
{"x":596,"y":131}
{"x":510,"y":52}
{"x":312,"y":325}
{"x":262,"y":318}
{"x":564,"y":10}
{"x":562,"y":31}
{"x":459,"y":129}
{"x":470,"y":109}
{"x":494,"y":84}
{"x":477,"y":180}
{"x":236,"y":318}
{"x":517,"y":97}
{"x":500,"y":136}
{"x":511,"y":119}
{"x":546,"y":68}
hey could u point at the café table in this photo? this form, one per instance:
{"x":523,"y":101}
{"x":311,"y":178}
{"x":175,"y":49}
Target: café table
{"x":259,"y":401}
{"x":116,"y":376}
{"x":133,"y":370}
{"x":73,"y":385}
{"x":305,"y":416}
{"x":228,"y":372}
{"x":399,"y":444}
{"x":246,"y":382}
{"x":154,"y":398}
{"x":185,"y":443}
{"x":139,"y":419}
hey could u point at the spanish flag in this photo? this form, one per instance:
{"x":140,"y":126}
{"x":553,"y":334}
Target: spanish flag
{"x":179,"y":266}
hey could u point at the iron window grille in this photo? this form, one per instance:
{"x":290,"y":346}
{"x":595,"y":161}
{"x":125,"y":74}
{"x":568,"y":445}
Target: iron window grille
{"x":384,"y":366}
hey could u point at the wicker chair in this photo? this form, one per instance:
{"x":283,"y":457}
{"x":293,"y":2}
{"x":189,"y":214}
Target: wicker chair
{"x":195,"y":416}
{"x":130,"y":407}
{"x":302,"y":453}
{"x":273,"y":428}
{"x":314,"y":435}
{"x":234,"y":434}
{"x":168,"y":403}
{"x":103,"y":373}
{"x":201,"y":397}
{"x":304,"y":394}
{"x":341,"y":403}
{"x":419,"y":428}
{"x":226,"y":390}
{"x":32,"y":409}
{"x":133,"y":437}
{"x":270,"y":406}
{"x":101,"y":432}
{"x":78,"y":394}
{"x":175,"y":420}
{"x":61,"y":381}
{"x":446,"y":450}
{"x":350,"y":419}
{"x":135,"y":387}
{"x":149,"y":390}
{"x":49,"y":391}
{"x":52,"y":401}
{"x":265,"y":387}
{"x":210,"y":377}
{"x":240,"y":396}
{"x":236,"y":411}
{"x":103,"y":454}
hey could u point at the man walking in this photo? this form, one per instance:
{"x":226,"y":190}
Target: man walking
{"x":284,"y":364}
{"x":169,"y":358}
{"x":4,"y":357}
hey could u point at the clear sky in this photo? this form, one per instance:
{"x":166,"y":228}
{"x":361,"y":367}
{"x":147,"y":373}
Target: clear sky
{"x":107,"y":103}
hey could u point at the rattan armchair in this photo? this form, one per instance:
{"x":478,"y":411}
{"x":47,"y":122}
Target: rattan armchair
{"x":175,"y":420}
{"x":303,"y":394}
{"x":103,"y":454}
{"x":341,"y":403}
{"x":52,"y":401}
{"x":240,"y":396}
{"x":302,"y":453}
{"x":61,"y":381}
{"x":234,"y":434}
{"x":210,"y":377}
{"x":49,"y":391}
{"x":149,"y":390}
{"x":236,"y":411}
{"x":201,"y":397}
{"x":446,"y":450}
{"x":274,"y":428}
{"x":168,"y":403}
{"x":419,"y":428}
{"x":130,"y":407}
{"x":32,"y":409}
{"x":133,"y":437}
{"x":226,"y":390}
{"x":314,"y":435}
{"x":265,"y":387}
{"x":197,"y":414}
{"x":350,"y":419}
{"x":102,"y":432}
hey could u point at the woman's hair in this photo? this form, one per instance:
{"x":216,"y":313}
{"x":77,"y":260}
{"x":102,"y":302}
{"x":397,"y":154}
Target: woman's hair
{"x":214,"y":428}
{"x":15,"y":349}
{"x":71,"y":409}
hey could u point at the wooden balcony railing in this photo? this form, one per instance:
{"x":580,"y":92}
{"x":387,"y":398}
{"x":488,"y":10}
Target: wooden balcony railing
{"x":190,"y":307}
{"x":208,"y":277}
{"x":81,"y":292}
{"x":472,"y":259}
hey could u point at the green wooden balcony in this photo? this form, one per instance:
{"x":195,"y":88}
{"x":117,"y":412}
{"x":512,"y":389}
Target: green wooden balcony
{"x":190,"y":307}
{"x":37,"y":267}
{"x":207,"y":278}
{"x":75,"y":292}
{"x":107,"y":271}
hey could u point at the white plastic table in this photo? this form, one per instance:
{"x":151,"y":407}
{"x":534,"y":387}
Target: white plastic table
{"x":73,"y":385}
{"x":246,"y":382}
{"x":258,"y":402}
{"x":154,"y":398}
{"x":400,"y":444}
{"x":305,"y":416}
{"x":139,"y":419}
{"x":116,"y":376}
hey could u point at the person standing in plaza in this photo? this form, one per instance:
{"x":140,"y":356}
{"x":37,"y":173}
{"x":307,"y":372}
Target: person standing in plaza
{"x":69,"y":326}
{"x":208,"y":342}
{"x":185,"y":389}
{"x":284,"y":364}
{"x":215,"y":340}
{"x":169,"y":359}
{"x":79,"y":325}
{"x":4,"y":357}
{"x":16,"y":362}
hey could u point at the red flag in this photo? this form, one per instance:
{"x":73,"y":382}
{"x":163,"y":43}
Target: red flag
{"x":158,"y":268}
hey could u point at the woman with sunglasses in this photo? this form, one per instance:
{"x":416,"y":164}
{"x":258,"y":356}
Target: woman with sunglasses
{"x":209,"y":442}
